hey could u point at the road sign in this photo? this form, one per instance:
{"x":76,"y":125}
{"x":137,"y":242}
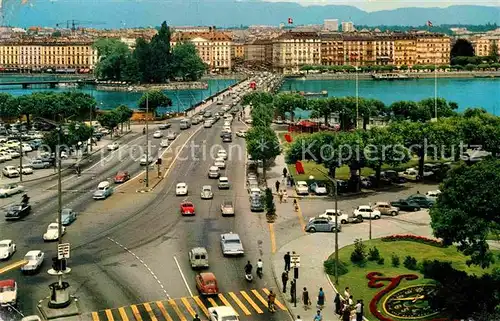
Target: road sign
{"x":295,"y":260}
{"x":63,"y":251}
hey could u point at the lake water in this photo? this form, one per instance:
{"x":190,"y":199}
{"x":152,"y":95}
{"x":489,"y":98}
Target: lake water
{"x":181,"y":99}
{"x":466,"y":92}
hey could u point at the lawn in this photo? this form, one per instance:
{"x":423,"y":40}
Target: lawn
{"x":356,"y":280}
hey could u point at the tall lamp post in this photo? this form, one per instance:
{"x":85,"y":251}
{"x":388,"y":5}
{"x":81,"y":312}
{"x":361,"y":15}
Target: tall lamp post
{"x":147,"y":141}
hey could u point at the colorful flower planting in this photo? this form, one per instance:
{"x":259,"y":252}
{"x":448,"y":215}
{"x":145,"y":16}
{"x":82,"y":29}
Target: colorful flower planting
{"x":414,"y":238}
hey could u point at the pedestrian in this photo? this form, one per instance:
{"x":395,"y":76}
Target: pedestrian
{"x":293,"y":291}
{"x":346,"y":313}
{"x":305,"y":299}
{"x":196,"y":318}
{"x":287,"y":260}
{"x":337,"y":303}
{"x":347,"y":293}
{"x":351,"y":302}
{"x":321,"y":299}
{"x":285,"y":196}
{"x":284,"y":280}
{"x":285,"y":171}
{"x":359,"y":311}
{"x":318,"y":316}
{"x":298,"y":318}
{"x":280,"y":194}
{"x":277,"y":184}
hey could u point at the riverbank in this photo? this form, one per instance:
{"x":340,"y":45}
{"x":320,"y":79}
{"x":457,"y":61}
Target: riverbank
{"x":412,"y":75}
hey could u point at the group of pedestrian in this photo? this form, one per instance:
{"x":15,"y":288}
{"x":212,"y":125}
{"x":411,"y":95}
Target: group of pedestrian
{"x":346,"y":309}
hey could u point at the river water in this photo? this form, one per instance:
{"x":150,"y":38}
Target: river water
{"x":466,"y":92}
{"x":181,"y":99}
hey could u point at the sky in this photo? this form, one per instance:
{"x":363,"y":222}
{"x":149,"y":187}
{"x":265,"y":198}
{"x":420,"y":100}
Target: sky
{"x":376,"y":5}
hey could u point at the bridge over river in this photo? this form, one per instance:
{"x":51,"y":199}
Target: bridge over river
{"x":48,"y":81}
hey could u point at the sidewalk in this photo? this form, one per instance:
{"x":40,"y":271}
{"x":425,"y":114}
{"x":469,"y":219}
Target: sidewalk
{"x":315,"y":248}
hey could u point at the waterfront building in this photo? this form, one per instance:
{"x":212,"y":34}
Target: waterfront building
{"x":259,"y":52}
{"x":238,"y":50}
{"x":214,"y":47}
{"x":405,"y":49}
{"x":359,"y":49}
{"x":347,"y":26}
{"x":331,"y":25}
{"x":432,"y":48}
{"x":332,"y":49}
{"x":292,"y":50}
{"x":484,"y":44}
{"x":60,"y":54}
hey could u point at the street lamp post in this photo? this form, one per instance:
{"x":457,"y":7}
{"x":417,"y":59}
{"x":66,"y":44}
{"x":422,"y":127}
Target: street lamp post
{"x":370,"y":223}
{"x":20,"y":157}
{"x":147,"y":141}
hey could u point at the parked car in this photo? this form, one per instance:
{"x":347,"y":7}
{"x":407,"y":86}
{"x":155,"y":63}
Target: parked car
{"x":366,"y":211}
{"x":104,"y":190}
{"x":198,"y":257}
{"x":405,"y":205}
{"x":181,"y":189}
{"x":113,"y":146}
{"x":256,"y":203}
{"x":393,"y":177}
{"x":206,"y":284}
{"x":301,"y":188}
{"x":68,"y":216}
{"x":386,"y":209}
{"x":7,"y":249}
{"x":231,"y":244}
{"x":342,"y":217}
{"x":39,"y":164}
{"x":35,"y":261}
{"x":227,"y":208}
{"x":322,"y":224}
{"x":10,"y":172}
{"x":433,"y":195}
{"x":17,"y":211}
{"x":319,"y":188}
{"x":122,"y":177}
{"x":206,"y":192}
{"x":26,"y":169}
{"x":187,"y":208}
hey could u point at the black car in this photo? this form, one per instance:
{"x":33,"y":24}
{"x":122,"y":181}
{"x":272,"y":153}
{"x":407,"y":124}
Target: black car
{"x":393,"y":177}
{"x":407,"y":206}
{"x":17,"y":212}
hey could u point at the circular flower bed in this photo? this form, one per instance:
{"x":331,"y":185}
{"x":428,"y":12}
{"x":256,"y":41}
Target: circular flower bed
{"x":414,"y":238}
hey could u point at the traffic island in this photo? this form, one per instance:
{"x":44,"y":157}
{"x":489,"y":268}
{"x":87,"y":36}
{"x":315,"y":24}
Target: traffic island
{"x":49,"y":311}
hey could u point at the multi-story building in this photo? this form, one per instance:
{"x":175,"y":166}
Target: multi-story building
{"x":292,"y":50}
{"x":484,"y":45}
{"x":332,"y":49}
{"x":238,"y":50}
{"x":48,"y":54}
{"x":405,"y":49}
{"x":259,"y":52}
{"x":432,"y":48}
{"x":347,"y":26}
{"x":331,"y":25}
{"x":384,"y":49}
{"x":359,"y":49}
{"x":214,"y":47}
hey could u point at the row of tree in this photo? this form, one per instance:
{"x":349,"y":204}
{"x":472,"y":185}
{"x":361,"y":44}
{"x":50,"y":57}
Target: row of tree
{"x":118,"y":116}
{"x":150,"y":62}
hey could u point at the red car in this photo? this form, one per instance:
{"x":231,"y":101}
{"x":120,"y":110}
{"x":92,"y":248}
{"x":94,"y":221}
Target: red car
{"x":206,"y":283}
{"x":121,"y":177}
{"x":187,"y":208}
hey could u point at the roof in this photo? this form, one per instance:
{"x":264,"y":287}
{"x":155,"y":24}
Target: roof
{"x":5,"y":241}
{"x":223,"y":311}
{"x":207,"y":276}
{"x":181,"y":184}
{"x":187,"y":204}
{"x":199,"y":250}
{"x":103,"y":184}
{"x":230,"y":236}
{"x":298,"y":35}
{"x":7,"y":283}
{"x":33,"y":252}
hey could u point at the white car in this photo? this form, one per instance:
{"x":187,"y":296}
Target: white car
{"x":301,"y":188}
{"x":223,"y":313}
{"x":158,"y":134}
{"x":4,"y":156}
{"x":10,"y":171}
{"x":220,"y":163}
{"x":113,"y":146}
{"x":181,"y":189}
{"x":14,"y":153}
{"x":412,"y":174}
{"x":433,"y":195}
{"x":26,"y":170}
{"x":7,"y":248}
{"x":241,"y":133}
{"x":52,"y":233}
{"x":222,"y":154}
{"x":164,"y":143}
{"x":35,"y":260}
{"x":365,"y":211}
{"x":10,"y":189}
{"x":207,"y":124}
{"x":342,"y":218}
{"x":144,"y":161}
{"x":26,"y":148}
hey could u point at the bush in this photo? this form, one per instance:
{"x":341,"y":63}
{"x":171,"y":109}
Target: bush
{"x":413,"y":238}
{"x":373,"y":254}
{"x":395,"y":260}
{"x":358,"y":256}
{"x":329,"y":266}
{"x":410,"y":263}
{"x":380,"y":261}
{"x":435,"y":269}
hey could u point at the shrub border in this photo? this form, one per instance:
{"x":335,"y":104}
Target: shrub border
{"x":414,"y":238}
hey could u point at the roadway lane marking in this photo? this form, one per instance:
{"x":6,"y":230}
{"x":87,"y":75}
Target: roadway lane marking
{"x":188,"y":306}
{"x":252,"y":303}
{"x":95,"y":316}
{"x":278,"y":303}
{"x":177,"y":310}
{"x":180,"y":151}
{"x":239,"y":303}
{"x":212,"y":302}
{"x":135,"y":311}
{"x":123,"y":314}
{"x":109,"y":315}
{"x":183,"y":277}
{"x":144,"y":264}
{"x":150,"y":312}
{"x":258,"y":296}
{"x":163,"y":311}
{"x":201,"y":305}
{"x":273,"y":237}
{"x":13,"y":266}
{"x":226,"y":303}
{"x":301,"y":218}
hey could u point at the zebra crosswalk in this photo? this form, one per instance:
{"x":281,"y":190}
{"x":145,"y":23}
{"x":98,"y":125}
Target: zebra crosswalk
{"x":245,"y":303}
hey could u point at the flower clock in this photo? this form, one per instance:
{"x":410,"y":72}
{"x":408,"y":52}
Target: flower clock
{"x":411,"y":303}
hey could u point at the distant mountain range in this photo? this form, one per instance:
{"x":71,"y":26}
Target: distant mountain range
{"x":225,"y":13}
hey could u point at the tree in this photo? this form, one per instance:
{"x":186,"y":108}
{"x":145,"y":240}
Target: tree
{"x":404,"y":110}
{"x":142,"y":56}
{"x":257,"y":97}
{"x":494,"y":52}
{"x":263,"y":145}
{"x":262,"y":115}
{"x":467,"y":210}
{"x":288,"y":103}
{"x":160,"y":55}
{"x":320,"y":108}
{"x":269,"y":203}
{"x":109,"y":120}
{"x":186,"y":62}
{"x":125,"y":114}
{"x":155,"y":99}
{"x":462,"y":48}
{"x":114,"y":56}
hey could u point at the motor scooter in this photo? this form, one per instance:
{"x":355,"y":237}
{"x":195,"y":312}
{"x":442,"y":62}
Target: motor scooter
{"x":249,"y":277}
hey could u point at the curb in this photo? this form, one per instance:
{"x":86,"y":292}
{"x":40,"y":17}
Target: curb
{"x":276,"y":281}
